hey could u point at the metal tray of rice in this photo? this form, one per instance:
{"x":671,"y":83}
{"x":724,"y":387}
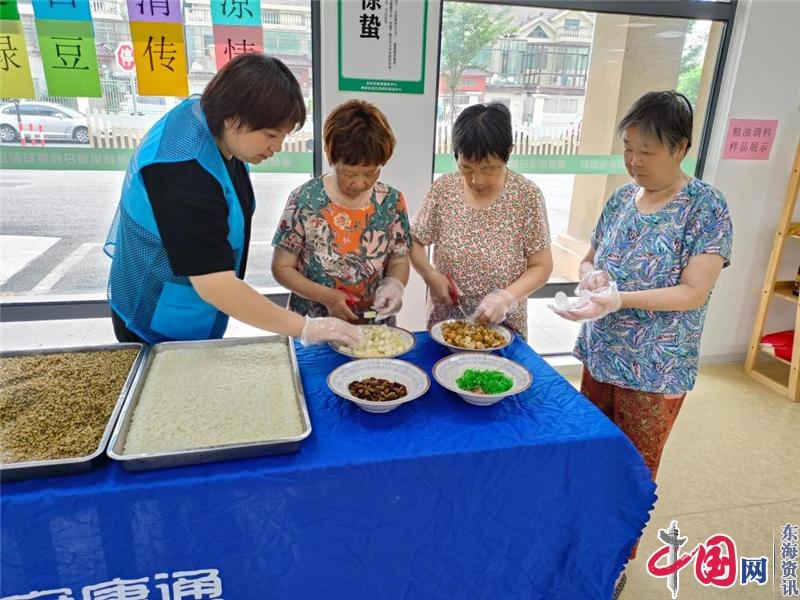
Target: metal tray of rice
{"x":206,"y":401}
{"x":58,"y":406}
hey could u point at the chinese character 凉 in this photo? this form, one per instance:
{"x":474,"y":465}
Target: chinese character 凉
{"x":236,"y":6}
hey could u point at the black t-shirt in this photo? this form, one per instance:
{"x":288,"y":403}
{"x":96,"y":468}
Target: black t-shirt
{"x":192,"y":215}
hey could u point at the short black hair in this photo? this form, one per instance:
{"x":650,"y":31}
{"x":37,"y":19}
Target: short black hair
{"x":483,"y":130}
{"x":667,"y":116}
{"x":259,"y":90}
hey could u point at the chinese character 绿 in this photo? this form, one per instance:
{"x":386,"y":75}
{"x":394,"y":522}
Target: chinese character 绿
{"x":8,"y":53}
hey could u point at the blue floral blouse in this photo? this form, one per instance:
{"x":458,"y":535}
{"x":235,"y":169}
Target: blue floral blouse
{"x":653,"y":351}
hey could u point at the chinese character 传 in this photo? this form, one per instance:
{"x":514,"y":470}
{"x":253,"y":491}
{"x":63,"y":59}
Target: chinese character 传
{"x":165,"y":52}
{"x":69,"y":51}
{"x":370,"y":5}
{"x":754,"y":569}
{"x":370,"y":26}
{"x":8,"y":53}
{"x":237,"y":6}
{"x":234,"y":49}
{"x":162,"y":5}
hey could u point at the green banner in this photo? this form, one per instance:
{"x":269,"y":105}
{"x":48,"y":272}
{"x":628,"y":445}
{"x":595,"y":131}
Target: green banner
{"x":69,"y":58}
{"x":9,"y":10}
{"x":117,"y":159}
{"x":572,"y":164}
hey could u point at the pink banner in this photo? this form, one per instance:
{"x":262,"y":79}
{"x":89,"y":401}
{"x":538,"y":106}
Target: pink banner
{"x":749,"y":139}
{"x":160,"y":11}
{"x":231,"y":40}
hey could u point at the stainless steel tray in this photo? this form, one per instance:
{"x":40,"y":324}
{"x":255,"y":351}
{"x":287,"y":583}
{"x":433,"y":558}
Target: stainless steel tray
{"x":159,"y":460}
{"x":78,"y":464}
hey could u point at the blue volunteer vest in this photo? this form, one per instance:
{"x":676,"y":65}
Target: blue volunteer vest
{"x":155,"y":304}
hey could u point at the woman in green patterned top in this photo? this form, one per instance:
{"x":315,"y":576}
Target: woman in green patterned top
{"x":343,"y":240}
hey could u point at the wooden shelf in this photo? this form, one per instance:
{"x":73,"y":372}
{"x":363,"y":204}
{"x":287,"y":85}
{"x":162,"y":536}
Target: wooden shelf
{"x":794,"y":226}
{"x":783,"y":290}
{"x":778,"y":358}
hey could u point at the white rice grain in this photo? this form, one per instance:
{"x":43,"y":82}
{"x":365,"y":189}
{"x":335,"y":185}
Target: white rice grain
{"x":196,"y":398}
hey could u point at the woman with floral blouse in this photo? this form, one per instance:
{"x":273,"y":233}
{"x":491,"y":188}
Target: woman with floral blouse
{"x":342,"y":244}
{"x":664,"y":239}
{"x":487,"y":225}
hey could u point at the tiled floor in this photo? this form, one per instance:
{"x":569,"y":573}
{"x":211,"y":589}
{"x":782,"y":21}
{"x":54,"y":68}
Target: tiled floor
{"x":731,"y":465}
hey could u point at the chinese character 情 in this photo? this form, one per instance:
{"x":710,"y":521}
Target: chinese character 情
{"x":165,"y":52}
{"x":370,"y":25}
{"x":234,"y":49}
{"x":69,"y":53}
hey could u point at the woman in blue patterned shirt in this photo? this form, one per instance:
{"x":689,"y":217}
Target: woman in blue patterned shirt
{"x":664,"y":239}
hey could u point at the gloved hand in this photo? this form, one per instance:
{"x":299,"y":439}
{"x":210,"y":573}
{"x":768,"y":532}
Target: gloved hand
{"x":494,"y":308}
{"x":330,"y":329}
{"x":389,"y":297}
{"x":593,"y":305}
{"x":593,"y":280}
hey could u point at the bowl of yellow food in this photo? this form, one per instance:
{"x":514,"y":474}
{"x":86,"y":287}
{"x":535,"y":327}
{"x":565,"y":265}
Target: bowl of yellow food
{"x":380,"y":341}
{"x":465,"y":336}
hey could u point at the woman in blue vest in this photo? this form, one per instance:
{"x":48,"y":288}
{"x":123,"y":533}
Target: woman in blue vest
{"x":180,"y":237}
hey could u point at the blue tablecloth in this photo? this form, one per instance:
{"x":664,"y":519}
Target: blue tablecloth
{"x":539,"y":496}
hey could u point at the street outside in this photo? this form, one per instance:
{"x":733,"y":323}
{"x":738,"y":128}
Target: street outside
{"x":54,"y":224}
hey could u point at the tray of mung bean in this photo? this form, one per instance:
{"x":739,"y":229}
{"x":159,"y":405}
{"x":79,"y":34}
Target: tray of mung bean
{"x":58,"y":406}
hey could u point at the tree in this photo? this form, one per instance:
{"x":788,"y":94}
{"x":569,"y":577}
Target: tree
{"x":692,"y":64}
{"x":466,"y":30}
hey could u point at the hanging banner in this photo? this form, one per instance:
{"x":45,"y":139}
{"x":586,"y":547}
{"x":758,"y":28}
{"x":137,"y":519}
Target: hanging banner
{"x":15,"y":70}
{"x":9,"y":10}
{"x":160,"y":55}
{"x":69,"y":58}
{"x":161,"y":11}
{"x":382,"y":46}
{"x":236,"y":12}
{"x":62,"y":10}
{"x":231,"y":41}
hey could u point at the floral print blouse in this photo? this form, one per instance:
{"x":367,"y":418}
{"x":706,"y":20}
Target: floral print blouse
{"x":342,"y":248}
{"x":482,"y":249}
{"x":653,"y":351}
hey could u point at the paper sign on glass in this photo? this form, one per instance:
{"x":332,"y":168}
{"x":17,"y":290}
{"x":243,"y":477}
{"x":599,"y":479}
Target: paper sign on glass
{"x":15,"y":70}
{"x":62,"y":10}
{"x":160,"y":55}
{"x":161,"y":11}
{"x":749,"y":139}
{"x":69,"y":58}
{"x":236,"y":12}
{"x":231,"y":41}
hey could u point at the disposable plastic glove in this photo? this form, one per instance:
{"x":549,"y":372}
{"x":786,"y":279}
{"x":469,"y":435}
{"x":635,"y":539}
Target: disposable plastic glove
{"x":593,"y":280}
{"x":590,"y":306}
{"x":388,"y":297}
{"x":494,"y":308}
{"x":330,"y":329}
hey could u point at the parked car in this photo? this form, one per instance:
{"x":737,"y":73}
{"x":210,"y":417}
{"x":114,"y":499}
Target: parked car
{"x":58,"y":122}
{"x":145,"y":105}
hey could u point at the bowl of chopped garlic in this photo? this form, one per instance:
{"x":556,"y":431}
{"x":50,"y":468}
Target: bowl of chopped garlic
{"x":380,"y":341}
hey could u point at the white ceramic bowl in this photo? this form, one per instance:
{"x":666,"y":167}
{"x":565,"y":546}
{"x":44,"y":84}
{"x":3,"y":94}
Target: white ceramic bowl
{"x":450,"y":368}
{"x":411,"y":376}
{"x":436,"y":334}
{"x":409,"y":338}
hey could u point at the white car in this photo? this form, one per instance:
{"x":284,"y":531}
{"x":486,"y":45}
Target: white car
{"x":58,"y":122}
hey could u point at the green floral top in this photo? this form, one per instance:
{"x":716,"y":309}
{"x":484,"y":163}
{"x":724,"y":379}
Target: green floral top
{"x":340,"y":247}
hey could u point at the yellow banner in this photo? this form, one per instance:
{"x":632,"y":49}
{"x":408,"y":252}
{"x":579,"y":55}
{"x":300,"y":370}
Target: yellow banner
{"x":160,"y":58}
{"x":15,"y":70}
